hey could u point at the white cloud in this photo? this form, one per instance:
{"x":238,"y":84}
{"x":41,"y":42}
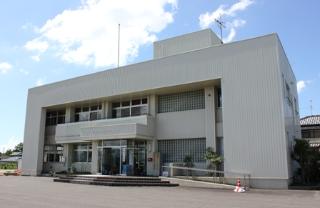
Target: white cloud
{"x":302,"y":84}
{"x":30,"y":26}
{"x":23,"y":71}
{"x":40,"y":82}
{"x":207,"y":19}
{"x":10,"y":144}
{"x":5,"y":67}
{"x":37,"y":45}
{"x":36,"y":58}
{"x":88,"y":35}
{"x":233,"y":25}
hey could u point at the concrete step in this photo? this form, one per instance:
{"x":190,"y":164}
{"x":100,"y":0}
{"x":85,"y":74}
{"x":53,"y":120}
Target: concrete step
{"x":115,"y":183}
{"x":124,"y":180}
{"x":113,"y":178}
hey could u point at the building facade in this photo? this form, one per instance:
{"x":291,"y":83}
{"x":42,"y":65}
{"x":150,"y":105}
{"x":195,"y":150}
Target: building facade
{"x":310,"y":130}
{"x":239,"y":98}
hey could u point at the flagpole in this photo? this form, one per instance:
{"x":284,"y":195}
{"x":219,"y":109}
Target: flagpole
{"x":118,"y":45}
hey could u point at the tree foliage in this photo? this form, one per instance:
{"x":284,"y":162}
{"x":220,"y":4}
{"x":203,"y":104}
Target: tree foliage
{"x":309,"y":161}
{"x":188,"y":161}
{"x":8,"y":152}
{"x":213,"y":158}
{"x":18,"y":147}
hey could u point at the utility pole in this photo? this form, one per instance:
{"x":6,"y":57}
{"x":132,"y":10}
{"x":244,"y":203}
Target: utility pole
{"x":221,"y":26}
{"x":311,"y":107}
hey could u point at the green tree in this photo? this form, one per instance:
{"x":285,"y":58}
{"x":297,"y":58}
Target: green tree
{"x":309,"y":161}
{"x":213,"y":158}
{"x":188,"y":161}
{"x":18,"y":147}
{"x":8,"y":152}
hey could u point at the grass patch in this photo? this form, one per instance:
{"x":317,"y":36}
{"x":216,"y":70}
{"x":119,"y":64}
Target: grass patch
{"x":8,"y":166}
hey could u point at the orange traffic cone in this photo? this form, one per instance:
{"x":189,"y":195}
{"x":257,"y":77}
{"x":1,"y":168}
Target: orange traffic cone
{"x":238,"y":188}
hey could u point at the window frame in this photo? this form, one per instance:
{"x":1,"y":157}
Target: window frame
{"x":85,"y":112}
{"x":82,"y":148}
{"x":122,"y":106}
{"x":55,"y":152}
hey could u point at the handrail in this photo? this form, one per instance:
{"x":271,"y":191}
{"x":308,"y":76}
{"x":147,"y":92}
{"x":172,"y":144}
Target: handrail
{"x":206,"y":170}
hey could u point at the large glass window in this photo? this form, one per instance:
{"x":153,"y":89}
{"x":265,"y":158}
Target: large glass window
{"x":181,"y":101}
{"x":134,"y":107}
{"x":82,"y":153}
{"x":88,"y":112}
{"x":55,"y":117}
{"x":53,"y":153}
{"x":176,"y":150}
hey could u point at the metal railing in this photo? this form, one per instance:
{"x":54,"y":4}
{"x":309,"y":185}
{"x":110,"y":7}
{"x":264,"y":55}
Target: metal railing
{"x":206,"y":175}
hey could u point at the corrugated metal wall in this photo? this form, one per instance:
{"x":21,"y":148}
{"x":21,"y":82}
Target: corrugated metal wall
{"x":252,"y":106}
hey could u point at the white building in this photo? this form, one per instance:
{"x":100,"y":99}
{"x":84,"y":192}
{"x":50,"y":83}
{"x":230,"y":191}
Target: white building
{"x":239,"y":98}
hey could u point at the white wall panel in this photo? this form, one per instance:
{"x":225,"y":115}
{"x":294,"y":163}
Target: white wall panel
{"x":181,"y":125}
{"x":253,"y":124}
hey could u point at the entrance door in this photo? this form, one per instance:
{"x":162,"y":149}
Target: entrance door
{"x":111,"y":161}
{"x":122,"y":157}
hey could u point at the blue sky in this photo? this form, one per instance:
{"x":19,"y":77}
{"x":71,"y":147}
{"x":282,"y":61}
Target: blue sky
{"x":47,"y":41}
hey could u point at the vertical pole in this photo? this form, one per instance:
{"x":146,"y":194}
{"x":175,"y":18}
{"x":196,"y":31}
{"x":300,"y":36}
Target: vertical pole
{"x":221,"y":33}
{"x":118,"y":45}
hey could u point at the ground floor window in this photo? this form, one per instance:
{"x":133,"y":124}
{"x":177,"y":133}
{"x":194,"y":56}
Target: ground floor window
{"x":82,"y":152}
{"x":53,"y":153}
{"x":175,"y":150}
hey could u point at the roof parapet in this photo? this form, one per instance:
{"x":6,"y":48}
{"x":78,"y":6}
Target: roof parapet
{"x":184,"y":43}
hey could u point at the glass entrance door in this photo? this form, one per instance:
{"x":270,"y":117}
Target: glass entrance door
{"x":111,"y":161}
{"x":122,"y":157}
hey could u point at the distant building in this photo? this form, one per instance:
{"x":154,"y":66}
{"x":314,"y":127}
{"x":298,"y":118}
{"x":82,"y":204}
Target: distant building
{"x":15,"y":157}
{"x":238,"y":98}
{"x":310,"y":129}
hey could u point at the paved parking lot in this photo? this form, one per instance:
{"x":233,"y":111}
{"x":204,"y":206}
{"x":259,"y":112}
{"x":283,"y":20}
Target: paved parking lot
{"x":42,"y":192}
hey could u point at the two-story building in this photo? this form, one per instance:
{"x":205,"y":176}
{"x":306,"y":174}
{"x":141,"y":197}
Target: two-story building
{"x":310,"y":130}
{"x":239,"y":98}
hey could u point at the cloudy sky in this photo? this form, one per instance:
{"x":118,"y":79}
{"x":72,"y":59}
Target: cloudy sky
{"x":46,"y":41}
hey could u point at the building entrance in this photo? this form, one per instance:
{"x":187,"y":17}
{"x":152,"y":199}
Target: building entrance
{"x":122,"y":157}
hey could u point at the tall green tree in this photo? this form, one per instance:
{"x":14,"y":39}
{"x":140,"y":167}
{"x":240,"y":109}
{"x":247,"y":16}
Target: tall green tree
{"x":309,"y":161}
{"x":18,"y":147}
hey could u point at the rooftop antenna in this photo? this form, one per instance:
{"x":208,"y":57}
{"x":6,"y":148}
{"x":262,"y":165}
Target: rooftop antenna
{"x":311,"y":107}
{"x":221,"y":25}
{"x":118,"y":45}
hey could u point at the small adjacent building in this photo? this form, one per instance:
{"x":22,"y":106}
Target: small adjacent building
{"x":15,"y":157}
{"x":310,"y":129}
{"x":238,"y":98}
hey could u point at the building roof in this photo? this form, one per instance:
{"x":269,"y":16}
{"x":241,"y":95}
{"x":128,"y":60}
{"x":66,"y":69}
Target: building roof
{"x":16,"y":154}
{"x":10,"y":159}
{"x":310,"y":120}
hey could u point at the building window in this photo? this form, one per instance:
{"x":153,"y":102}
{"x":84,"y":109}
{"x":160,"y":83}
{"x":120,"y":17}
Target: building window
{"x":55,"y":117}
{"x":134,"y":107}
{"x":88,"y":112}
{"x":181,"y":101}
{"x":53,"y":153}
{"x":175,"y":150}
{"x":296,"y":108}
{"x":219,"y":98}
{"x":82,"y":153}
